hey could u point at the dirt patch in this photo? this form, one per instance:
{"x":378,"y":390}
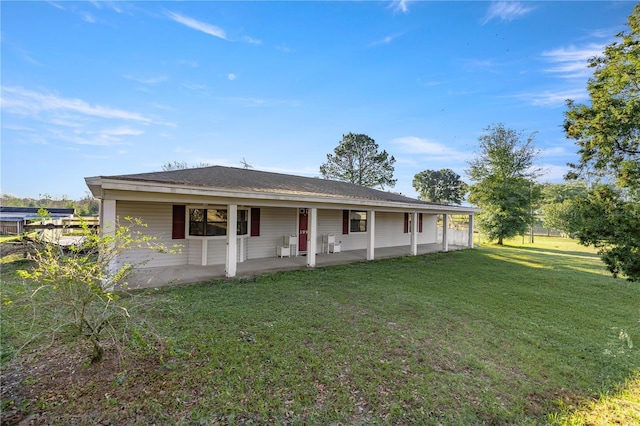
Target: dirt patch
{"x":61,"y":386}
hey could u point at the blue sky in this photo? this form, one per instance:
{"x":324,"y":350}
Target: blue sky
{"x":106,"y":88}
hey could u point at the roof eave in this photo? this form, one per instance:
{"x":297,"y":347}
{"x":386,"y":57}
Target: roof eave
{"x":98,"y":185}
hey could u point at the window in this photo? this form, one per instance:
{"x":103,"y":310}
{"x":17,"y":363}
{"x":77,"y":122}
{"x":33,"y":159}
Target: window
{"x":358,"y":221}
{"x":213,"y":222}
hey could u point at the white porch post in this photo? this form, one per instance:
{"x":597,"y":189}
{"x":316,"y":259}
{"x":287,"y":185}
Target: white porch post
{"x":471,"y":224}
{"x":108,"y":217}
{"x":232,"y":241}
{"x":445,"y":227}
{"x":312,"y":243}
{"x":108,"y":228}
{"x":414,"y":233}
{"x":371,"y":234}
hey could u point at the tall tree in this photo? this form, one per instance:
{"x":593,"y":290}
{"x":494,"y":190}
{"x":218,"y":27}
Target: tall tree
{"x":503,"y":172}
{"x":558,"y":204}
{"x":607,"y":133}
{"x":440,"y":186}
{"x":356,"y":159}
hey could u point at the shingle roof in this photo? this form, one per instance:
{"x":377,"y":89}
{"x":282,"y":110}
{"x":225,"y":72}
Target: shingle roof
{"x":250,"y":180}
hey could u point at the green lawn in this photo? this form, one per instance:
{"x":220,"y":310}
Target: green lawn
{"x":521,"y":334}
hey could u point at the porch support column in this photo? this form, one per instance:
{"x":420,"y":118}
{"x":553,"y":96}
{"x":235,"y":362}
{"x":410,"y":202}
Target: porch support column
{"x":471,"y":224}
{"x":312,"y":243}
{"x":371,"y":234}
{"x":232,"y":241}
{"x":414,"y":233}
{"x":108,"y":217}
{"x":108,"y":228}
{"x":445,"y":227}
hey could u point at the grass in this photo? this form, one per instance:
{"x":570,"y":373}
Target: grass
{"x":521,"y":334}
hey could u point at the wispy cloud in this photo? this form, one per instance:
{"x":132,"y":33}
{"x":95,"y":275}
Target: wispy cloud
{"x":23,"y":101}
{"x":52,"y":118}
{"x":386,"y":40}
{"x":506,"y":11}
{"x":400,"y":5}
{"x":232,"y":76}
{"x":550,"y":98}
{"x":572,"y":62}
{"x":420,"y":146}
{"x":212,"y":30}
{"x":148,"y":80}
{"x":87,"y":17}
{"x":251,"y":40}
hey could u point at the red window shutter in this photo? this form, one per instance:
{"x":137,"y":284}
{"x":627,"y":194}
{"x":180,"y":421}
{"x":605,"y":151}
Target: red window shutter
{"x":178,"y":223}
{"x":345,"y":221}
{"x":255,"y":222}
{"x":419,"y":222}
{"x":406,"y":223}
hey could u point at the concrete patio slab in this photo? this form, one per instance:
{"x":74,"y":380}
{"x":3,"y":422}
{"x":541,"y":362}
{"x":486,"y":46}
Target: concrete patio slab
{"x":185,"y":274}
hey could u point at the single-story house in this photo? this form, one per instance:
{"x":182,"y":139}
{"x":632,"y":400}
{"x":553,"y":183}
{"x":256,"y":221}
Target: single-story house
{"x":225,"y":217}
{"x":13,"y":219}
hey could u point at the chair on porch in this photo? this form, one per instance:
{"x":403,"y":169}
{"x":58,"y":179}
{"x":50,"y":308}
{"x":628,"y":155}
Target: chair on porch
{"x":332,"y":246}
{"x":290,"y":244}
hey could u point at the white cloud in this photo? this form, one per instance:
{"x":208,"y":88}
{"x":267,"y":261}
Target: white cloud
{"x":87,"y":17}
{"x":549,"y":98}
{"x":506,"y":10}
{"x":251,"y":40}
{"x":212,"y":30}
{"x":572,"y":62}
{"x":400,"y":5}
{"x":553,"y":173}
{"x":418,"y":146}
{"x":386,"y":40}
{"x":148,"y":80}
{"x":232,"y":76}
{"x":27,"y":102}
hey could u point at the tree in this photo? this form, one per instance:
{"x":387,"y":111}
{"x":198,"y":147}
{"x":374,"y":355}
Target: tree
{"x":180,"y":165}
{"x":503,"y":172}
{"x":357,"y":160}
{"x":73,"y":290}
{"x":607,"y":133}
{"x":558,"y":207}
{"x":440,"y":186}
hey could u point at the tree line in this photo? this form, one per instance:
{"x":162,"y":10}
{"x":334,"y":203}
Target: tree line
{"x":85,"y":206}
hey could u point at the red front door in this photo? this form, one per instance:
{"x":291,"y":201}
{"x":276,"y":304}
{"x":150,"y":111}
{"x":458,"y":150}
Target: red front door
{"x":303,"y":228}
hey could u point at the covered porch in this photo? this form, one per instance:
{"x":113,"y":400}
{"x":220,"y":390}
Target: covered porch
{"x":184,"y":274}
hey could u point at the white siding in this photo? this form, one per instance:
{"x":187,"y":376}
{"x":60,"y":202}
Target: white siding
{"x":158,"y":217}
{"x":429,"y":229}
{"x":275,"y":223}
{"x":390,"y":230}
{"x":216,"y":251}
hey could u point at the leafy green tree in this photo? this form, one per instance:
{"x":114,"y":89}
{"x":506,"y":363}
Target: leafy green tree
{"x":606,"y":221}
{"x":558,"y":207}
{"x":503,"y":172}
{"x":607,"y":133}
{"x":357,"y":160}
{"x":440,"y":186}
{"x":77,"y":291}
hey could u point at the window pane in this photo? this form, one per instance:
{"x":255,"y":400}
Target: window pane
{"x":358,"y":221}
{"x":216,"y":222}
{"x":196,"y":221}
{"x":243,"y":224}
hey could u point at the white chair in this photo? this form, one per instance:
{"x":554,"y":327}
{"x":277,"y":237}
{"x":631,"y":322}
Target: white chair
{"x":332,"y":246}
{"x":290,"y":244}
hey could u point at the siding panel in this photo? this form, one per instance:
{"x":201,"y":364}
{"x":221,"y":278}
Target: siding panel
{"x":159,"y":218}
